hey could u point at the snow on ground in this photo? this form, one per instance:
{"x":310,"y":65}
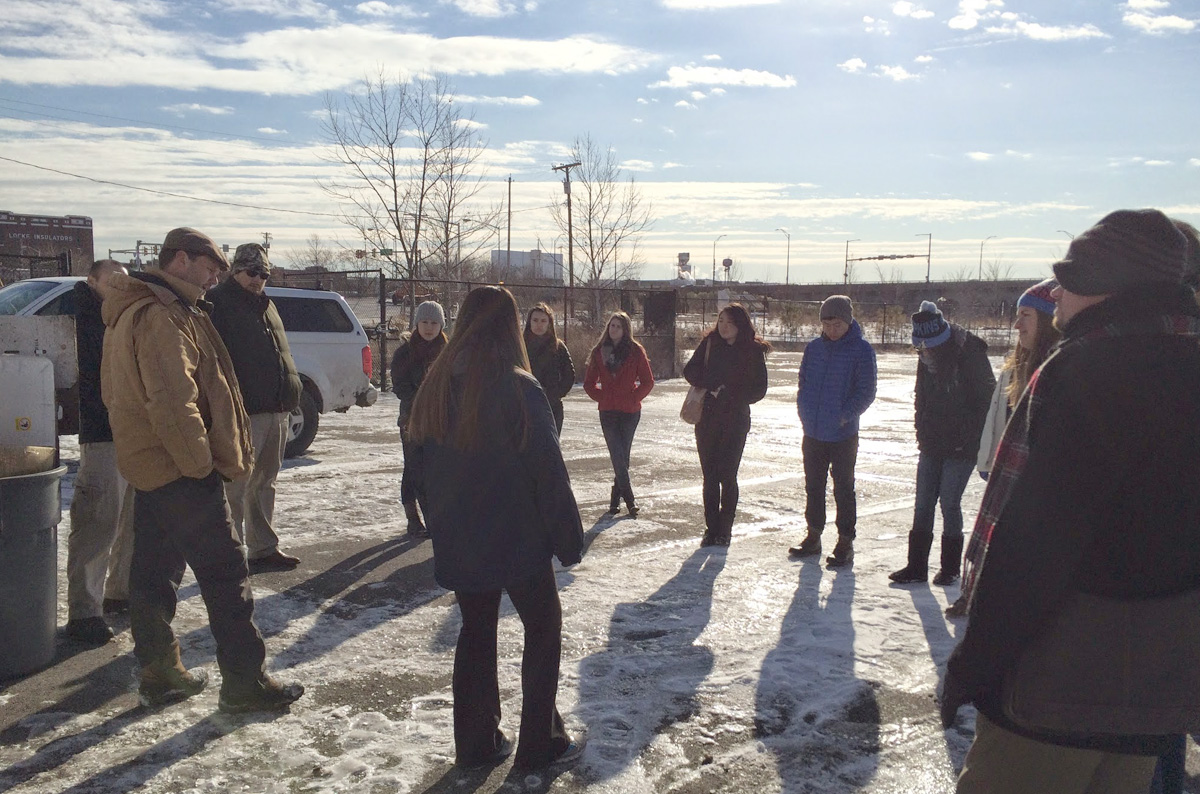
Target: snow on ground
{"x":687,"y":669}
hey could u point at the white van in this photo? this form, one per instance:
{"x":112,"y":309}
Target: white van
{"x":330,"y":347}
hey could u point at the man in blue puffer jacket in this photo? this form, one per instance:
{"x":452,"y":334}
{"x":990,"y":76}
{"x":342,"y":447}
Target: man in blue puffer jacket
{"x":837,"y":384}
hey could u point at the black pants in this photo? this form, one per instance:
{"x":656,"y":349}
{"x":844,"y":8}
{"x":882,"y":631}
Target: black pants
{"x":408,"y":490}
{"x":187,"y":522}
{"x":619,"y":428}
{"x":720,"y":441}
{"x":820,"y":457}
{"x":556,"y":408}
{"x":476,"y":689}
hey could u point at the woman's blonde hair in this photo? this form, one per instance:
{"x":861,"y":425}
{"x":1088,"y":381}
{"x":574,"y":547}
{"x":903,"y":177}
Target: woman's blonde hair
{"x":487,"y":339}
{"x":626,"y":326}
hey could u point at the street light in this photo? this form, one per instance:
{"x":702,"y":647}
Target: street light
{"x":714,"y":276}
{"x":788,"y":267}
{"x":929,"y":254}
{"x":846,"y":270}
{"x":981,"y":242}
{"x":1068,"y":234}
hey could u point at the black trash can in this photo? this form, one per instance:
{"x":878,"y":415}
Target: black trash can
{"x":30,"y":509}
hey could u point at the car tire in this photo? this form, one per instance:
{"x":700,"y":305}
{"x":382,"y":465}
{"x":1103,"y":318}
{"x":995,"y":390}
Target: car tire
{"x":302,"y":426}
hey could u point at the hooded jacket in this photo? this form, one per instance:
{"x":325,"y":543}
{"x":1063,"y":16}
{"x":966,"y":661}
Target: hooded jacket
{"x":169,"y":384}
{"x":253,"y":333}
{"x":836,"y":385}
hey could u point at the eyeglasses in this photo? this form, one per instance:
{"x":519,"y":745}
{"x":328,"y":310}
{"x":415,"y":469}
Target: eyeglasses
{"x":257,"y":272}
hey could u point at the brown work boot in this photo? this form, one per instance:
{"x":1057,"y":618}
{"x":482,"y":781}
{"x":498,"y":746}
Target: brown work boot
{"x":263,"y":694}
{"x":168,"y":681}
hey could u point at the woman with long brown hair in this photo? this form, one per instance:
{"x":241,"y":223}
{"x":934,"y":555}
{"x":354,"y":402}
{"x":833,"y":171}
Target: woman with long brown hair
{"x":499,"y":506}
{"x":618,"y":378}
{"x":549,"y":359}
{"x":413,"y":357}
{"x":730,"y":364}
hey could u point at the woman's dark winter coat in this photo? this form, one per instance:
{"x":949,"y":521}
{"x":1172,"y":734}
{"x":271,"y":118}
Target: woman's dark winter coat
{"x":254,"y":335}
{"x":551,"y":364}
{"x":739,"y":371}
{"x":410,"y":362}
{"x":499,"y":511}
{"x":89,"y":343}
{"x":952,"y":402}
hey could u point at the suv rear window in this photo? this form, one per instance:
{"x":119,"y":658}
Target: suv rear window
{"x":63,"y":304}
{"x":16,"y":297}
{"x":312,"y":314}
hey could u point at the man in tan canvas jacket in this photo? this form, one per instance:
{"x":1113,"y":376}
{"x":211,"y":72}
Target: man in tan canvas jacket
{"x":180,"y":432}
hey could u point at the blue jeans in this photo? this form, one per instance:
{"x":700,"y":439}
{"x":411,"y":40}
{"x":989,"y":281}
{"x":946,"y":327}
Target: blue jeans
{"x":940,"y":480}
{"x":619,"y":428}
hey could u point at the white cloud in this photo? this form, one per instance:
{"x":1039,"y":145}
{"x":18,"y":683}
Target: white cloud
{"x":638,"y":165}
{"x":873,"y":25}
{"x":897,"y":73}
{"x":280,"y":9}
{"x":378,"y":8}
{"x":923,"y":59}
{"x":1195,"y":162}
{"x":1135,"y":16}
{"x":683,"y":103}
{"x":1038,"y":32}
{"x":1018,"y":155}
{"x":1146,"y":5}
{"x":903,"y":8}
{"x":712,"y":57}
{"x":470,"y":124}
{"x":1156,"y":163}
{"x":970,"y":12}
{"x":688,"y":76}
{"x":271,"y":131}
{"x":667,"y":165}
{"x":186,"y":107}
{"x":853,"y":66}
{"x":717,"y":92}
{"x":483,"y":8}
{"x":638,"y":121}
{"x":980,"y":157}
{"x":709,"y":5}
{"x":643,"y":101}
{"x":698,"y":95}
{"x":520,"y":101}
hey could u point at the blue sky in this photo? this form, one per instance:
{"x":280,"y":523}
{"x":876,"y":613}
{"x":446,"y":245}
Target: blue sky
{"x":980,"y":122}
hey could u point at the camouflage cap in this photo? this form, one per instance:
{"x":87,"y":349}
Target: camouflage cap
{"x":195,"y":243}
{"x":249,"y":255}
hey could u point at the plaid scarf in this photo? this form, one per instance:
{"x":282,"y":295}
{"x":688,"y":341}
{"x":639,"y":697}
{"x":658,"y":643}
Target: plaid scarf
{"x":1013,"y":452}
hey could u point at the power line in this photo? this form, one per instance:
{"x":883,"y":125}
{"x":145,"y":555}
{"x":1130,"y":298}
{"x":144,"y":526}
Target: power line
{"x":166,"y":193}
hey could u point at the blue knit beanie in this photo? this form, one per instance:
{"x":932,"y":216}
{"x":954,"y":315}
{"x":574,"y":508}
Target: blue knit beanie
{"x":930,"y":328}
{"x":1038,"y":297}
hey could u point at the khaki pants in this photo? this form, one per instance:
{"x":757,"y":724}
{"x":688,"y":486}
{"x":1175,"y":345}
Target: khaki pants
{"x":252,"y":496}
{"x":1001,"y":762}
{"x":100,"y":544}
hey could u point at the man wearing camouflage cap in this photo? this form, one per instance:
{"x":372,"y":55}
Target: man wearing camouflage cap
{"x":252,"y":331}
{"x":180,"y":432}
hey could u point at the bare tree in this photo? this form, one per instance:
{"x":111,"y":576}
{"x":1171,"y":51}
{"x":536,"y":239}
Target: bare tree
{"x":406,"y":149}
{"x":609,"y":215}
{"x":317,"y":254}
{"x":962,"y":273}
{"x":996,"y":270}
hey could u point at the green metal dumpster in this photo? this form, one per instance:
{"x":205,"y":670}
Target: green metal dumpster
{"x":30,"y":509}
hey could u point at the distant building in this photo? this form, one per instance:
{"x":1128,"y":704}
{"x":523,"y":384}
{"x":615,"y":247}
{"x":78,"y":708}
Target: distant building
{"x":26,"y":238}
{"x":532,"y":265}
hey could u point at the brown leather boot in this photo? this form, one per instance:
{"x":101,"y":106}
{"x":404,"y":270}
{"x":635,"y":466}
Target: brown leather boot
{"x":166,"y":680}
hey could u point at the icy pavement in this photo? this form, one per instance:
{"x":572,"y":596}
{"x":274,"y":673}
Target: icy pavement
{"x":688,"y":670}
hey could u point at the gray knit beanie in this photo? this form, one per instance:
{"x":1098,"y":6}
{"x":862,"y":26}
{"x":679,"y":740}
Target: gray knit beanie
{"x":1125,"y":249}
{"x":431,"y":310}
{"x":837,"y":307}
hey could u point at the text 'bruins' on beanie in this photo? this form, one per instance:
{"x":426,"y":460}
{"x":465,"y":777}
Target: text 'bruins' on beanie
{"x":930,"y":328}
{"x":1125,"y":249}
{"x":1039,"y":297}
{"x":431,"y":310}
{"x":837,"y":307}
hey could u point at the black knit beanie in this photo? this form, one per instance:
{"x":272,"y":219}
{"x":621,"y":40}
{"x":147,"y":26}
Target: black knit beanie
{"x":1125,"y":249}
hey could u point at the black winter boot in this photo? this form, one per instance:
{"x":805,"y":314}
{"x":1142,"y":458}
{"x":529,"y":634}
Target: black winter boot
{"x":843,"y":553}
{"x":951,"y":561}
{"x":810,"y":546}
{"x":917,"y":569}
{"x":631,"y":504}
{"x":416,"y":527}
{"x":614,"y":501}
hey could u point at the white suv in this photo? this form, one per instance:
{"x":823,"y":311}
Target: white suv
{"x":330,"y":347}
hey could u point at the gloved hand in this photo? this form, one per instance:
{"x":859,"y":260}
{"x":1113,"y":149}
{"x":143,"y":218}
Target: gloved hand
{"x":983,"y":475}
{"x":954,"y":697}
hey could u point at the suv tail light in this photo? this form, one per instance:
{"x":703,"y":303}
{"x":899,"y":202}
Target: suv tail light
{"x":366,"y":358}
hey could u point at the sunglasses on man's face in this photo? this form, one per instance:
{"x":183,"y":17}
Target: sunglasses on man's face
{"x":257,"y":272}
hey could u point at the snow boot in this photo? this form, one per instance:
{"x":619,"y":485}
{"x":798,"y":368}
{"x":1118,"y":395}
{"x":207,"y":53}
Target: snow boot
{"x":843,"y":553}
{"x":631,"y":505}
{"x":262,"y":694}
{"x":614,"y":501}
{"x":810,"y":546}
{"x":917,"y":569}
{"x":416,"y":527}
{"x":168,"y":681}
{"x":958,"y":609}
{"x":951,"y":561}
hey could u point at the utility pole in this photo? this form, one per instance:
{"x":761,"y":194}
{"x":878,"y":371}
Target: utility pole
{"x":267,"y":240}
{"x":846,"y":271}
{"x":566,"y":169}
{"x":788,"y":267}
{"x":508,"y":248}
{"x":928,"y":254}
{"x":981,"y":242}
